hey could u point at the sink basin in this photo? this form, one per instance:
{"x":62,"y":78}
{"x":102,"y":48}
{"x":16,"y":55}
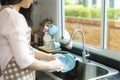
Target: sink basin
{"x":89,"y":71}
{"x":86,"y":71}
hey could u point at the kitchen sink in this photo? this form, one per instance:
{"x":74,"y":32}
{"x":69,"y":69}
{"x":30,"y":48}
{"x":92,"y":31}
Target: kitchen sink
{"x":86,"y":71}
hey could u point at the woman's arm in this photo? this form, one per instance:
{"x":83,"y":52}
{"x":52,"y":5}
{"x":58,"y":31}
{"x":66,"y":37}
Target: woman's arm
{"x":15,"y":33}
{"x":41,"y":65}
{"x":42,"y":55}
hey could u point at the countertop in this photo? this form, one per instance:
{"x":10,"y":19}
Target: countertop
{"x":42,"y":76}
{"x":113,"y":77}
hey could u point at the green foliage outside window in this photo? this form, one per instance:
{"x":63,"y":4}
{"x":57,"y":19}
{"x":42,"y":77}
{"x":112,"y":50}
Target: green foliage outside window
{"x":67,"y":2}
{"x":93,"y":12}
{"x":114,"y":13}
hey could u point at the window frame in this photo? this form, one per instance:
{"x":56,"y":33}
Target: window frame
{"x":100,"y":51}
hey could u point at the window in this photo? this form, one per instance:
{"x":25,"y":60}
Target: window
{"x":87,"y":18}
{"x":94,"y":2}
{"x":111,"y":3}
{"x":113,"y":26}
{"x":101,"y":24}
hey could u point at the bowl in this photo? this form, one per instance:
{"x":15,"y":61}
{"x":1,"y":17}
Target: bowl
{"x":68,"y":61}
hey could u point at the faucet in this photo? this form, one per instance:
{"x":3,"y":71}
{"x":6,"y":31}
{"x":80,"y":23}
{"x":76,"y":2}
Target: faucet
{"x":69,"y":44}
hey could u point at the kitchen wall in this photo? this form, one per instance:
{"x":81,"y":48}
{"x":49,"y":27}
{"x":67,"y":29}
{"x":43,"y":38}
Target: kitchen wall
{"x":47,"y":9}
{"x":44,"y":9}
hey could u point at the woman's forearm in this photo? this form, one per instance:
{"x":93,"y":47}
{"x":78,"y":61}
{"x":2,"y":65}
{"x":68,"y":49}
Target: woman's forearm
{"x":42,"y":55}
{"x":38,"y":65}
{"x":41,"y":65}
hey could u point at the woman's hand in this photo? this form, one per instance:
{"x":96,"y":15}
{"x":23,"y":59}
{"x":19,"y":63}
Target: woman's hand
{"x":54,"y":56}
{"x":55,"y":65}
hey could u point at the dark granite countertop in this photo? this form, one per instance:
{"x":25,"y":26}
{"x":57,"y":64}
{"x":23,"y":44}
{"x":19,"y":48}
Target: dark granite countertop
{"x":113,"y":77}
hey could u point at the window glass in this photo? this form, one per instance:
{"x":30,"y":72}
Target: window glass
{"x":111,"y":3}
{"x":94,"y":2}
{"x":113,"y":26}
{"x":84,"y":15}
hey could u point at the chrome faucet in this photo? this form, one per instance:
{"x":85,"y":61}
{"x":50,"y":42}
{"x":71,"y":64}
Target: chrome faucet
{"x":69,"y":44}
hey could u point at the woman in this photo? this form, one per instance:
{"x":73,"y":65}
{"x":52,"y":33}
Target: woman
{"x":18,"y":59}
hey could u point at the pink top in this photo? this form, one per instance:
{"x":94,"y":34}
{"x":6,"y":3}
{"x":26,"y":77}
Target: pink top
{"x":13,"y":39}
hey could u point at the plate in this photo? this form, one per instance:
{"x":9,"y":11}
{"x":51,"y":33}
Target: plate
{"x":68,"y":61}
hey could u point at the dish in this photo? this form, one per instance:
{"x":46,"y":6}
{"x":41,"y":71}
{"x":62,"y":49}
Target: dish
{"x":68,"y":61}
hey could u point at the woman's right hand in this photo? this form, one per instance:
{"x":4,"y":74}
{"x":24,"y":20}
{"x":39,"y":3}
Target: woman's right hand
{"x":55,"y":65}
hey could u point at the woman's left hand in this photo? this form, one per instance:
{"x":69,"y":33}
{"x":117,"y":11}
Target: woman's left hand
{"x":54,"y":56}
{"x":57,"y":55}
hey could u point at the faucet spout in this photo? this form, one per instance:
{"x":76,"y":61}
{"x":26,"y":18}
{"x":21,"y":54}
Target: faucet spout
{"x":84,"y":55}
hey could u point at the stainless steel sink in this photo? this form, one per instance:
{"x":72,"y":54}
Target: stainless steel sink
{"x":86,"y":71}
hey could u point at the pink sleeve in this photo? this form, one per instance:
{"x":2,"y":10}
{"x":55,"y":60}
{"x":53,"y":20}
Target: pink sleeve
{"x":16,"y":34}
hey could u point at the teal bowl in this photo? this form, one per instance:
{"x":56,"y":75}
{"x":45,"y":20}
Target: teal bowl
{"x":68,"y":61}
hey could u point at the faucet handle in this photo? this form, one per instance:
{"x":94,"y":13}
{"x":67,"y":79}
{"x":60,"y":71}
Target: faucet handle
{"x":69,"y":45}
{"x":87,"y":53}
